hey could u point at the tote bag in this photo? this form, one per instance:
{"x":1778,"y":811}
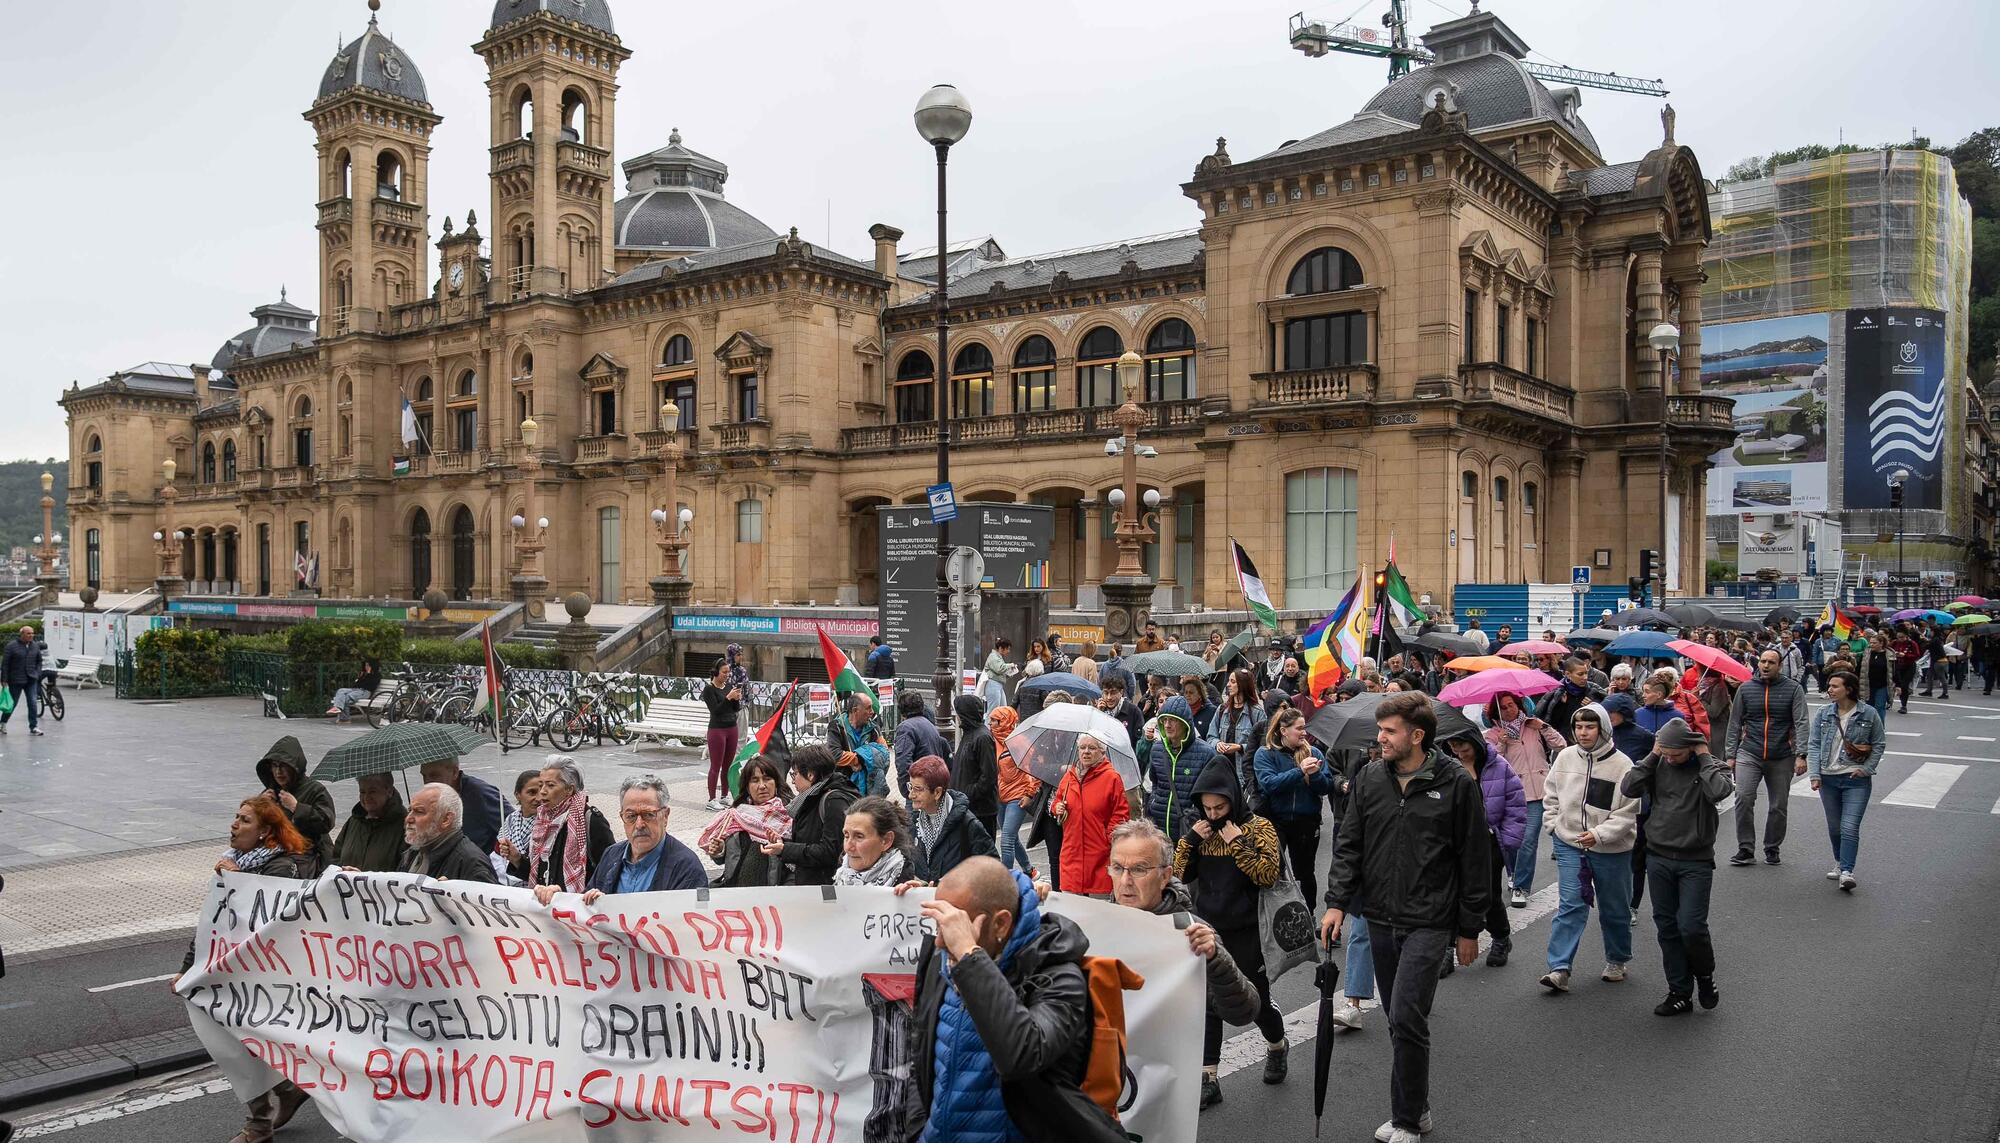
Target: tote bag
{"x":1284,"y":923}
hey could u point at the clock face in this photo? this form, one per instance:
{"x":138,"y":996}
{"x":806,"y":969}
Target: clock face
{"x":457,"y":276}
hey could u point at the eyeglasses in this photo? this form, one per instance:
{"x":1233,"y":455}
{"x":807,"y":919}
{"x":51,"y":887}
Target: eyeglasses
{"x":631,"y":816}
{"x":1118,"y":870}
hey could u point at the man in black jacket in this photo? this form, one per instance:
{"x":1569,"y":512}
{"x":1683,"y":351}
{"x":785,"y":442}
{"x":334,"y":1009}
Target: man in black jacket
{"x":1413,"y":848}
{"x":485,"y":806}
{"x":438,"y":846}
{"x":1684,"y":782}
{"x":21,"y":671}
{"x":975,"y":768}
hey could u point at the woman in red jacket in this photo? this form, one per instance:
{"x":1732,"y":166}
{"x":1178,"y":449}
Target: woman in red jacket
{"x":1090,"y":803}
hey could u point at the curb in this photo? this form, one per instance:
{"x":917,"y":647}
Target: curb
{"x":114,"y":1069}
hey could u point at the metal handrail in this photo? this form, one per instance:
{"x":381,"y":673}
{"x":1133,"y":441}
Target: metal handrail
{"x":132,"y":601}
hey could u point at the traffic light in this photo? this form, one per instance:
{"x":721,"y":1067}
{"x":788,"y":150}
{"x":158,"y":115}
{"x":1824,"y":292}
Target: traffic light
{"x":1635,"y":589}
{"x":1896,"y":495}
{"x":1381,"y":581}
{"x":1648,"y":562}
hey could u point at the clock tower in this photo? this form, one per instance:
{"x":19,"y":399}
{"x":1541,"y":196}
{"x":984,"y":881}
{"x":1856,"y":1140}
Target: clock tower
{"x":461,"y":284}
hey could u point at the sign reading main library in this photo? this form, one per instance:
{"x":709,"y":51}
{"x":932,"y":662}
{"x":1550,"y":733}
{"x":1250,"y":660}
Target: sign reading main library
{"x":1014,"y":540}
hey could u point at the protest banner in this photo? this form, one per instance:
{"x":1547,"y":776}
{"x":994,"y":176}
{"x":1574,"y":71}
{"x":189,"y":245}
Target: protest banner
{"x":446,"y":1011}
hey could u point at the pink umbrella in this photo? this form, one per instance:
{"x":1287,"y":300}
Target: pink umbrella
{"x":1532,"y":647}
{"x":1971,"y":600}
{"x":1480,"y":688}
{"x":1714,"y":658}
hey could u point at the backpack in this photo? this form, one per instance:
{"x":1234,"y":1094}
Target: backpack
{"x":1107,"y":1075}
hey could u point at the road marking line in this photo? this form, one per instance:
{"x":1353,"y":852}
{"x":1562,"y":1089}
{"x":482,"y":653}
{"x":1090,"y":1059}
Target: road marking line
{"x":1972,"y":738}
{"x":1905,"y":733}
{"x":16,"y":1004}
{"x":132,"y":983}
{"x":1996,"y":807}
{"x":129,"y":1105}
{"x":1944,"y":757}
{"x":1927,"y":787}
{"x":1302,"y":1025}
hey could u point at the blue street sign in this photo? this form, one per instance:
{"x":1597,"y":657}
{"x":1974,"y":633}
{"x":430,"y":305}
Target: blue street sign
{"x":1580,"y":574}
{"x":944,"y":508}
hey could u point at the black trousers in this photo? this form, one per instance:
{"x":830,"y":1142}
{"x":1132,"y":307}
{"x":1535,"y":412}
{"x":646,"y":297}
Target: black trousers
{"x":1300,"y":836}
{"x":1406,"y":977}
{"x":1639,"y":866}
{"x":1248,"y":951}
{"x":1496,"y":895}
{"x":1680,"y":913}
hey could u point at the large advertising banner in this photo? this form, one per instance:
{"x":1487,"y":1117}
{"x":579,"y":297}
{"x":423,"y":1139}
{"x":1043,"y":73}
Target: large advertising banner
{"x":1776,"y":371}
{"x":1896,"y":406}
{"x":452,"y":1012}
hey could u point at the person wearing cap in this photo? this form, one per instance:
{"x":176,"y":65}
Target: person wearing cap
{"x":1684,"y":783}
{"x":1593,"y":825}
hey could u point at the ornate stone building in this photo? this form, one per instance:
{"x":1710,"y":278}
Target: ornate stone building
{"x":1430,"y":320}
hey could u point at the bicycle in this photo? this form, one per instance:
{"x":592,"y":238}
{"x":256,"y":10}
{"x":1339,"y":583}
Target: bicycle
{"x":51,"y":695}
{"x":597,"y":708}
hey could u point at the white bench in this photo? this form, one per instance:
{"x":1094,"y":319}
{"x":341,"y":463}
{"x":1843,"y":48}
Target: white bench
{"x":81,"y":671}
{"x":682,"y":719}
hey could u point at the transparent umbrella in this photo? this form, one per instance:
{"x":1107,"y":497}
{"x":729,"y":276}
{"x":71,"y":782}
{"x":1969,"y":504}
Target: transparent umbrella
{"x":1045,"y":744}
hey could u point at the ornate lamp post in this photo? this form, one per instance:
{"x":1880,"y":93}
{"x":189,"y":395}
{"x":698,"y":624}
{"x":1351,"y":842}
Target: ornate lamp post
{"x":530,"y":586}
{"x":943,"y":117}
{"x":671,"y":588}
{"x":45,"y":552}
{"x":167,"y":541}
{"x":1664,"y":339}
{"x":1897,"y":480}
{"x":1128,"y":590}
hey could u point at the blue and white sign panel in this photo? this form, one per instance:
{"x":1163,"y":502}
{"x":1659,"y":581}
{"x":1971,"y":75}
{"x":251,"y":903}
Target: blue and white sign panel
{"x":944,"y":508}
{"x":1580,"y":575}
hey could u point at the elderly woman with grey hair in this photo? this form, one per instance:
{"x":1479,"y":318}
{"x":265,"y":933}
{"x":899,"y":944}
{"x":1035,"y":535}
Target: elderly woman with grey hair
{"x":569,"y":837}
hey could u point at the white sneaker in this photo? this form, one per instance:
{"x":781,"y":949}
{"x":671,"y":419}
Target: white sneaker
{"x":717,"y":804}
{"x":1833,"y":875}
{"x":1847,"y":882}
{"x":1390,"y":1133}
{"x":1519,"y":900}
{"x":1556,"y":980}
{"x":1348,"y":1016}
{"x":1614,"y":973}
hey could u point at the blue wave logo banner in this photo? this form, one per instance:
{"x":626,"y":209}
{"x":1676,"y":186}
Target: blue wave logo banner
{"x":1897,"y":407}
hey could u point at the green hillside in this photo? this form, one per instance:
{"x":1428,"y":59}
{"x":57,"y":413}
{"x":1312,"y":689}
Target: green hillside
{"x":21,"y":500}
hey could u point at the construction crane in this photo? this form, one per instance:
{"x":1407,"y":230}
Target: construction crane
{"x":1392,"y":42}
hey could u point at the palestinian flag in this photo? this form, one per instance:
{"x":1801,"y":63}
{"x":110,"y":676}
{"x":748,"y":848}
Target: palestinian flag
{"x":1843,"y":627}
{"x":400,"y":466}
{"x":839,"y":671}
{"x":760,"y":739}
{"x":489,"y":690}
{"x":1397,"y":594}
{"x":1253,"y":586}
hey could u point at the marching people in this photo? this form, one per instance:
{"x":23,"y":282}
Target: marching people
{"x":916,"y":736}
{"x":360,"y":690}
{"x":1558,"y":708}
{"x":1237,"y":730}
{"x":372,"y":840}
{"x":1593,"y":825}
{"x":1934,"y":649}
{"x":1173,"y":755}
{"x":819,"y":816}
{"x":1142,"y":877}
{"x":649,"y":860}
{"x":1292,"y":776}
{"x":1059,"y":659}
{"x":570,"y":836}
{"x":1842,"y":755}
{"x":875,"y":845}
{"x":881,"y":661}
{"x":517,"y":829}
{"x":1907,"y":652}
{"x":1115,"y":704}
{"x":1412,"y":853}
{"x":1766,"y":745}
{"x":1506,"y":808}
{"x":1018,"y":790}
{"x":1527,"y":743}
{"x":438,"y":847}
{"x":1877,"y":668}
{"x":1690,"y":705}
{"x":1621,"y":679}
{"x":1635,"y":743}
{"x":725,"y":704}
{"x":857,"y":741}
{"x":944,"y":827}
{"x":485,"y":809}
{"x":1684,"y":783}
{"x":993,"y":677}
{"x":975,"y":767}
{"x":1712,"y":691}
{"x":734,"y":838}
{"x":1002,"y":1018}
{"x":307,"y":801}
{"x":1090,"y":803}
{"x":1656,"y":704}
{"x":1227,"y":856}
{"x":21,"y":671}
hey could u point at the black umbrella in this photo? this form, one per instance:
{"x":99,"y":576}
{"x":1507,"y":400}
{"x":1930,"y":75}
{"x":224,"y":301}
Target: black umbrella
{"x":1327,"y":977}
{"x":1692,"y":615}
{"x":1590,"y":635}
{"x":1446,"y":641}
{"x":1643,"y":617}
{"x":1746,"y":626}
{"x":1350,"y":725}
{"x":1781,"y":614}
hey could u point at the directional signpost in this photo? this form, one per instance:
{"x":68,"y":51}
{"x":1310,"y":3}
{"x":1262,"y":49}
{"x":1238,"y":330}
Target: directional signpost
{"x":1010,"y":541}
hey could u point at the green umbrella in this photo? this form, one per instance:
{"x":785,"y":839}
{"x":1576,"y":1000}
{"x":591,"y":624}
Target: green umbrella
{"x":1956,"y":606}
{"x":1237,"y":645}
{"x":1174,"y":663}
{"x":1971,"y":620}
{"x":397,"y":746}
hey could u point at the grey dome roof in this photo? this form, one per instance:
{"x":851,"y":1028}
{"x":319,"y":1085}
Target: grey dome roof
{"x":591,"y":13}
{"x":1492,"y":89}
{"x":674,"y":202}
{"x":280,"y":326}
{"x":374,"y":63}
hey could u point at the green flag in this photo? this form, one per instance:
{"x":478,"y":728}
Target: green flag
{"x":1403,"y":604}
{"x":1253,"y":586}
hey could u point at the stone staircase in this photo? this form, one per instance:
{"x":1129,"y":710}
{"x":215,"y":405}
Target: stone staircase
{"x":543,"y":634}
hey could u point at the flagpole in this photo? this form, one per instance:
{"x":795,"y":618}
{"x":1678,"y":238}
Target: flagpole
{"x":1375,"y":629}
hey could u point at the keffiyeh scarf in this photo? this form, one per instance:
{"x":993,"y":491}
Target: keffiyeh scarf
{"x":251,"y":859}
{"x":764,"y":823}
{"x":549,"y":821}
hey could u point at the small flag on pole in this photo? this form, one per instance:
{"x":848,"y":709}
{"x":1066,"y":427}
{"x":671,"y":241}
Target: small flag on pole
{"x":839,"y":671}
{"x":402,"y":466}
{"x":410,"y":433}
{"x":759,"y":740}
{"x":489,"y":690}
{"x":1843,"y":627}
{"x":1253,"y":586}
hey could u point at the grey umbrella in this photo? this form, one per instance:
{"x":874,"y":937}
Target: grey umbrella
{"x":1350,"y":725}
{"x":1591,"y":635}
{"x":1446,"y":641}
{"x":1239,"y":644}
{"x":1175,"y":663}
{"x":1643,"y":617}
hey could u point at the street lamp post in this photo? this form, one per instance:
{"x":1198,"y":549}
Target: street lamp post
{"x":531,"y":588}
{"x":1128,"y":590}
{"x":943,"y":116}
{"x":45,"y":553}
{"x":167,"y":538}
{"x":1897,"y":494}
{"x":1664,"y":339}
{"x":671,"y":588}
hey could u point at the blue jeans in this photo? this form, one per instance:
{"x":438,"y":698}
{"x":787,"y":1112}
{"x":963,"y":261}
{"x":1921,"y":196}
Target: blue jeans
{"x":1879,"y":699}
{"x":1360,"y":959}
{"x":1531,"y":844}
{"x":1012,"y":853}
{"x":1845,"y":799}
{"x":24,"y":696}
{"x":1613,"y":874}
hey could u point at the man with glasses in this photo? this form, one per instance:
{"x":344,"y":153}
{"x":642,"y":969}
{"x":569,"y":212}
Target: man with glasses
{"x":1766,"y":745}
{"x":1142,"y":877}
{"x":648,"y":860}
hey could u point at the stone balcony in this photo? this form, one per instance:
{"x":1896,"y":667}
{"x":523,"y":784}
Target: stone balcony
{"x":420,"y":466}
{"x":1705,"y":411}
{"x":653,"y":442}
{"x":1517,"y":390}
{"x":455,"y":463}
{"x":343,"y":468}
{"x":336,"y":212}
{"x":391,"y":212}
{"x":608,"y":448}
{"x":1014,"y":429}
{"x":1292,"y":388}
{"x":294,"y":476}
{"x":740,"y":435}
{"x":582,"y":158}
{"x":517,"y":155}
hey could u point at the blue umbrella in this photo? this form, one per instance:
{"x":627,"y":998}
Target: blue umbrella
{"x":1944,"y":617}
{"x":1064,"y":681}
{"x":1643,"y":645}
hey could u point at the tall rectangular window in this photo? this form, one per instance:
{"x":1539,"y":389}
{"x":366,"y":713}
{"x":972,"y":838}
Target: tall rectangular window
{"x":1326,"y":340}
{"x":263,"y":559}
{"x":1471,"y":326}
{"x":604,"y":403}
{"x":681,"y":393}
{"x":1097,"y":384}
{"x":1533,"y":365}
{"x":1501,"y":316}
{"x":610,"y":573}
{"x":93,"y":558}
{"x":748,"y":407}
{"x":465,"y":428}
{"x":1321,"y":520}
{"x":1034,"y":390}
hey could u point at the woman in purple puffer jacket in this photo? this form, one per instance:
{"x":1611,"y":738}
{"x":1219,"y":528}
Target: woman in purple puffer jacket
{"x":1506,"y":804}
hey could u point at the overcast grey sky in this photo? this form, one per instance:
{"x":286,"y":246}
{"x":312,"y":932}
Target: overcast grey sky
{"x":160,"y":180}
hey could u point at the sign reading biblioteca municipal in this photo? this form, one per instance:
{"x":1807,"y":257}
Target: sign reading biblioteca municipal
{"x":447,"y":1011}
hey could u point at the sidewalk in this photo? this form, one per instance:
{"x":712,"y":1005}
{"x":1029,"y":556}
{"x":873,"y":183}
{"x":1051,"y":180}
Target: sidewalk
{"x":111,"y":824}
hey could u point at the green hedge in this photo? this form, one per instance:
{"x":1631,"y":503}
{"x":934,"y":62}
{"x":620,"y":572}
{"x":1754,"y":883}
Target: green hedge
{"x":452,"y":652}
{"x":271,"y":644}
{"x":178,"y":661}
{"x":344,"y":641}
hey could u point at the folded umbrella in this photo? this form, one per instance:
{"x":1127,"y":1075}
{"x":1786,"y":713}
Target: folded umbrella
{"x":1643,"y":645}
{"x":1477,"y":689}
{"x":1533,"y":647}
{"x":1044,"y":744}
{"x":1327,"y":977}
{"x":1064,"y":681}
{"x":398,"y":746}
{"x":1643,"y":617}
{"x":1174,"y":663}
{"x":1713,"y":658}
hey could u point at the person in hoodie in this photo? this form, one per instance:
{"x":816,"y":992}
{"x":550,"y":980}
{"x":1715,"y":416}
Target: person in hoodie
{"x":945,"y":829}
{"x":1002,"y":1018}
{"x":282,"y":772}
{"x":1527,"y":743}
{"x":975,"y":768}
{"x":916,"y":737}
{"x":1506,"y":805}
{"x":1684,"y":783}
{"x":1173,"y":756}
{"x":1594,"y":824}
{"x":372,"y":839}
{"x":1227,"y":856}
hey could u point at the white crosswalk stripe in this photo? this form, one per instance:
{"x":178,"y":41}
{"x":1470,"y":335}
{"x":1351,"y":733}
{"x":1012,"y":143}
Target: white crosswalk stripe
{"x":1927,"y":787}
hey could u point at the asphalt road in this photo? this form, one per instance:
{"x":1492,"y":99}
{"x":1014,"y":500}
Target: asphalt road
{"x":1862,"y":1017}
{"x":93,"y":998}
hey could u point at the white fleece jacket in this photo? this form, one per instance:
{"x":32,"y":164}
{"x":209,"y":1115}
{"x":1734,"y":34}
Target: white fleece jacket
{"x":1583,"y":795}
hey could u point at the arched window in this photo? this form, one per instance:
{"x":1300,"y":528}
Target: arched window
{"x":228,"y":460}
{"x":1035,"y":375}
{"x":522,"y":113}
{"x":208,"y":463}
{"x":1097,"y":367}
{"x":972,"y":382}
{"x":420,"y":553}
{"x":1502,"y":557}
{"x":343,"y":177}
{"x":464,"y":551}
{"x":1322,"y":513}
{"x":426,"y":417}
{"x":304,"y":408}
{"x":576,"y":117}
{"x":389,"y":176}
{"x":468,"y":385}
{"x":346,"y":434}
{"x":916,"y":381}
{"x":679,"y":351}
{"x":1323,"y":271}
{"x":1170,"y":361}
{"x":302,"y":433}
{"x":1468,"y":484}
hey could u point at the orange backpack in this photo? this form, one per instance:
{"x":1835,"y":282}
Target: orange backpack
{"x":1106,"y":1076}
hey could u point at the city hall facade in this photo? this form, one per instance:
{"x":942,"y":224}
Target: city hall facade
{"x":1428,"y":322}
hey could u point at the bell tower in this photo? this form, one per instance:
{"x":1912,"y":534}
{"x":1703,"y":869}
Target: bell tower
{"x":374,"y":123}
{"x":552,"y":72}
